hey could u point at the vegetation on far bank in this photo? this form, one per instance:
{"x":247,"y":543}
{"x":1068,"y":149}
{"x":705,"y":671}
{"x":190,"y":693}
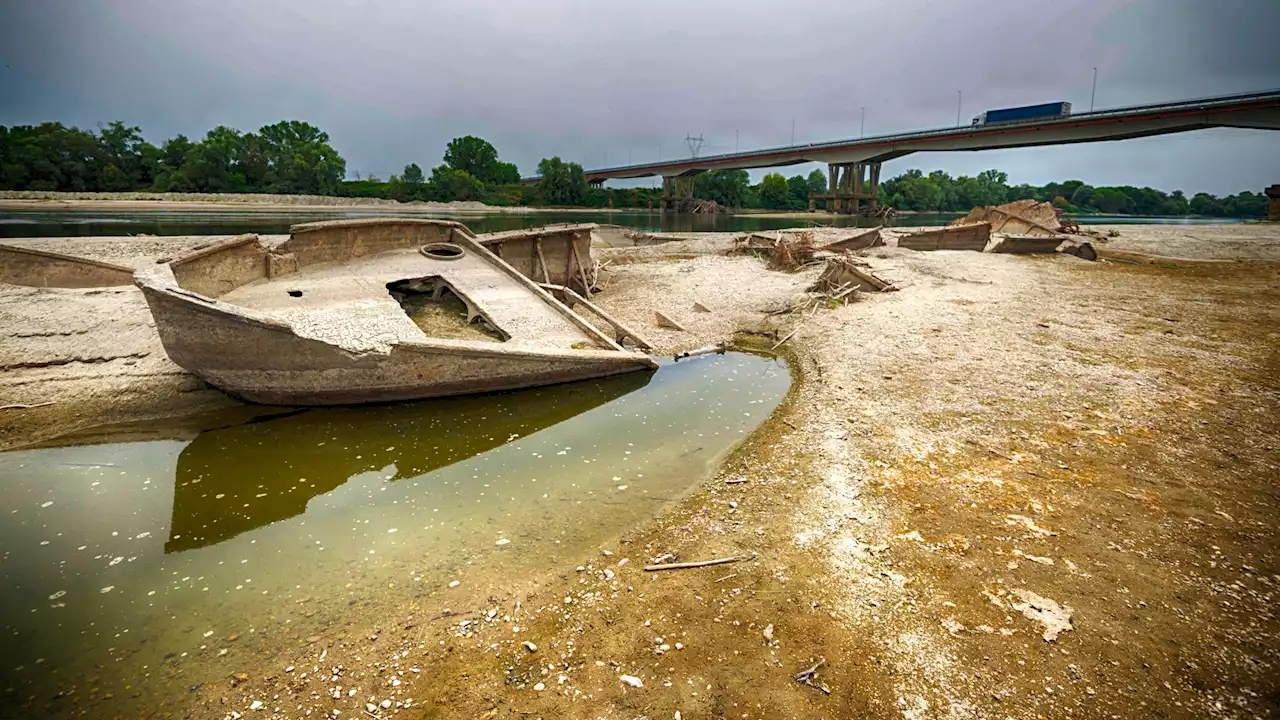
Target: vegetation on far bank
{"x":293,"y":157}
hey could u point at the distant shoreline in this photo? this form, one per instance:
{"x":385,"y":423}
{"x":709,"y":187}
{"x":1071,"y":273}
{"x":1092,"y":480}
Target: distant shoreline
{"x":27,"y":200}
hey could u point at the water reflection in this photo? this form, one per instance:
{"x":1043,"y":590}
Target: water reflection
{"x":42,"y":223}
{"x":414,"y":504}
{"x":238,"y":478}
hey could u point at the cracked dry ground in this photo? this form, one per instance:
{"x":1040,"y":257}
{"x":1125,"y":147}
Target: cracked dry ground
{"x":1102,"y":436}
{"x":1097,"y":436}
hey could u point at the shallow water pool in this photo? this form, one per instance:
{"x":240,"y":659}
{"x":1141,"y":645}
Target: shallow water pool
{"x":134,"y":571}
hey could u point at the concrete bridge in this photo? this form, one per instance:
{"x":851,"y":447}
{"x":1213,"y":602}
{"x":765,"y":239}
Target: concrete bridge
{"x":853,"y":166}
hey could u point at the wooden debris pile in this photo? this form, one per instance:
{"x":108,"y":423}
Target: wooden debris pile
{"x":845,"y":274}
{"x":1022,"y":217}
{"x":789,"y":251}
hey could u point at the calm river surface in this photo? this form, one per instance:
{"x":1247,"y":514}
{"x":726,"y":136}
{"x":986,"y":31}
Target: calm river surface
{"x":132,"y":571}
{"x":228,"y":222}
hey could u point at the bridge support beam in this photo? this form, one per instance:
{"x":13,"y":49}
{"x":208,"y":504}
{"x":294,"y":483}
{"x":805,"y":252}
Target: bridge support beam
{"x":677,"y":194}
{"x":1273,"y":203}
{"x":848,"y":184}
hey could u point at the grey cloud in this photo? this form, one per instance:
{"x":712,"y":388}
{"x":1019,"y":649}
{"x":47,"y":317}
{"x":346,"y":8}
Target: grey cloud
{"x":393,"y":81}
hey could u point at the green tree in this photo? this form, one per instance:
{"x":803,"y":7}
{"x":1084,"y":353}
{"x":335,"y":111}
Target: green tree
{"x":1205,"y":204}
{"x":775,"y":194}
{"x":1112,"y":200}
{"x":476,"y":157}
{"x":448,"y":184}
{"x":300,"y":159}
{"x":1082,"y":197}
{"x":121,"y":157}
{"x":413,"y":175}
{"x":213,"y":164}
{"x":561,"y":183}
{"x":726,"y":187}
{"x":798,"y":189}
{"x":817,"y":182}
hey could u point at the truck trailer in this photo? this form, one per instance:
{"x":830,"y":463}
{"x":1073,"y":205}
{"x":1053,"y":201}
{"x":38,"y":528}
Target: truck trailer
{"x":1022,"y":113}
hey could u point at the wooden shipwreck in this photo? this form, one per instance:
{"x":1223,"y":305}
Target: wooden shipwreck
{"x":364,"y":311}
{"x":973,"y":236}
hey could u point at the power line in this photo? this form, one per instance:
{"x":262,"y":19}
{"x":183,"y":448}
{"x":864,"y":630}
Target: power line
{"x":694,"y":144}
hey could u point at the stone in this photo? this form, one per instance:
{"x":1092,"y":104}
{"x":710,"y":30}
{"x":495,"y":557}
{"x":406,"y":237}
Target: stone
{"x":385,"y":704}
{"x":255,"y":705}
{"x":768,"y":633}
{"x":529,"y":646}
{"x":632,"y":680}
{"x":540,"y":687}
{"x":1055,"y":618}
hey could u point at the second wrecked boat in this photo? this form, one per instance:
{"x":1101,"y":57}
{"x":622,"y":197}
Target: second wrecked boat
{"x":324,"y":317}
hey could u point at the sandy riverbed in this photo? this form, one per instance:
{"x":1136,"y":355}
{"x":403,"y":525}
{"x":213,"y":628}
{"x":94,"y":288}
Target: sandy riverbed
{"x":1005,"y":442}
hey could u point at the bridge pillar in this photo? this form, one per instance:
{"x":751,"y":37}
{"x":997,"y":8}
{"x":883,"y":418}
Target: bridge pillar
{"x":1273,"y":203}
{"x":677,"y":194}
{"x":848,"y":184}
{"x":874,"y":198}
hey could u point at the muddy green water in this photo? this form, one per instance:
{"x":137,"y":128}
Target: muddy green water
{"x":126,"y":566}
{"x":25,"y":223}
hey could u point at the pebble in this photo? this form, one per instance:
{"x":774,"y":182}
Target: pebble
{"x":540,"y":687}
{"x":768,"y":632}
{"x":455,"y":583}
{"x":529,"y":646}
{"x":289,"y":669}
{"x":503,"y":541}
{"x":255,"y":705}
{"x":371,"y":707}
{"x":679,"y":646}
{"x":386,"y":704}
{"x":631,"y":680}
{"x":623,"y":561}
{"x":608,"y":574}
{"x":606,"y":553}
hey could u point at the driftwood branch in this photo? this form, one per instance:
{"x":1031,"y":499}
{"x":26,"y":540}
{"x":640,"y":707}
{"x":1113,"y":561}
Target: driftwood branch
{"x":805,"y":677}
{"x":721,"y":349}
{"x":700,"y":563}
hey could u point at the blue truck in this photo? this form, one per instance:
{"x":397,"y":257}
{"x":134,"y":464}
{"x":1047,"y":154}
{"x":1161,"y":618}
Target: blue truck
{"x":1043,"y":111}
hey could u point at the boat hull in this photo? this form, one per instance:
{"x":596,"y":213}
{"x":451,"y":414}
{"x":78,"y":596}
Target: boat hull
{"x":262,"y":360}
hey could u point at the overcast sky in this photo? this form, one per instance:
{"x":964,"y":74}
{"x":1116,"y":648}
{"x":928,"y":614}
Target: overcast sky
{"x":392,"y":81}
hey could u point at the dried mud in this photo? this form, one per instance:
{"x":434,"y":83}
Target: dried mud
{"x":1003,"y":435}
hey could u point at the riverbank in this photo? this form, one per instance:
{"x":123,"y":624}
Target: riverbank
{"x":54,"y":202}
{"x":1004,"y":442}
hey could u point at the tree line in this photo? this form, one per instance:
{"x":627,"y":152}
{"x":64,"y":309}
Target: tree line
{"x":289,"y":157}
{"x":293,"y":157}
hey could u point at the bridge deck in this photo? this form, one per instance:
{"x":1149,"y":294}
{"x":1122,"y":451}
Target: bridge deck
{"x":1254,"y":110}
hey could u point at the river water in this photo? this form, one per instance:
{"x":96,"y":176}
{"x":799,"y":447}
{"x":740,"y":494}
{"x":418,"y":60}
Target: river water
{"x":223,"y":222}
{"x":135,"y":569}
